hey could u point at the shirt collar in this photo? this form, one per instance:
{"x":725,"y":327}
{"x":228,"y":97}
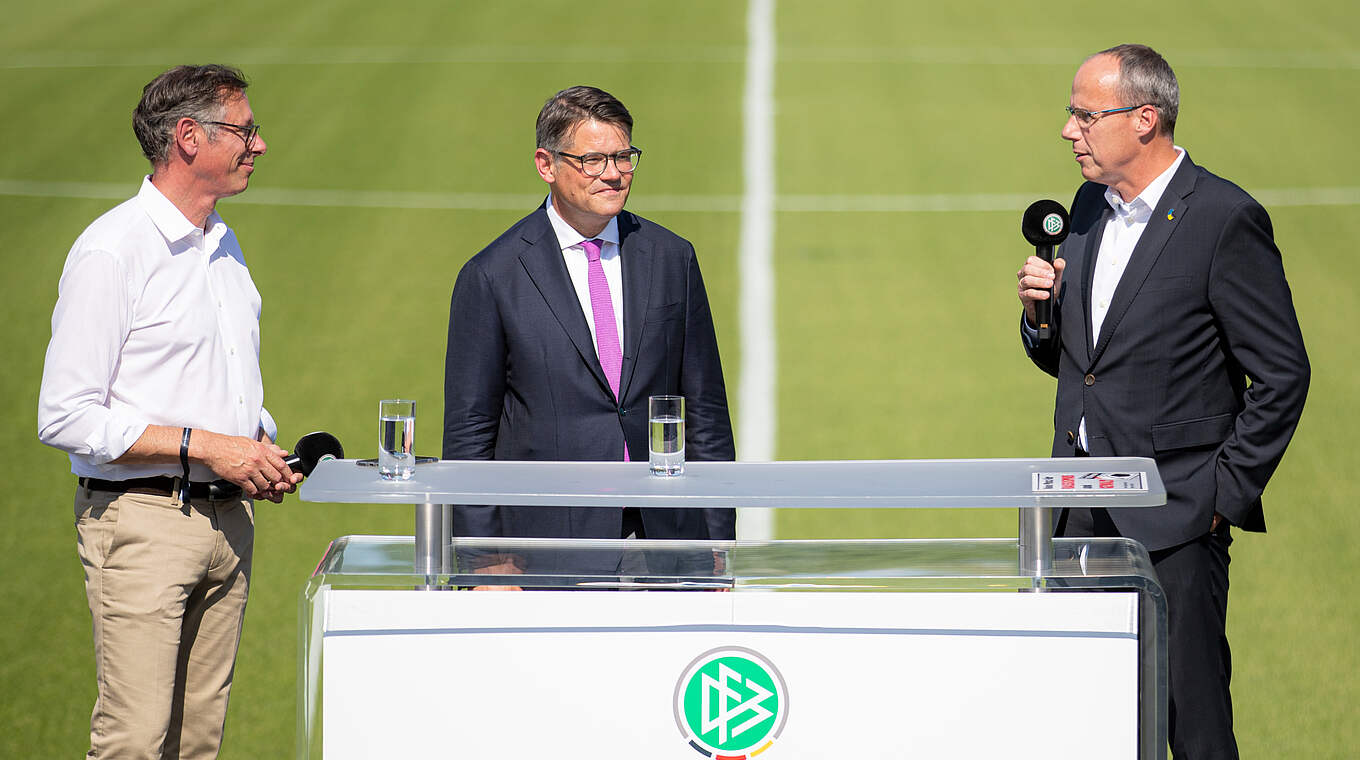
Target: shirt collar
{"x":568,"y":237}
{"x":173,"y":225}
{"x":1140,"y":208}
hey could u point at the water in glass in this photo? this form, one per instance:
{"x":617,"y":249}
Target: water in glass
{"x":396,"y":442}
{"x":667,"y":455}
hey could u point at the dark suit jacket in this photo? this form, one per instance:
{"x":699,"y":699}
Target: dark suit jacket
{"x":1202,"y":308}
{"x":523,"y":382}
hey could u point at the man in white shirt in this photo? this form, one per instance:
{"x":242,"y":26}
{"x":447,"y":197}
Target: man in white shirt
{"x":561,"y":328}
{"x":1176,"y":339}
{"x":152,"y":386}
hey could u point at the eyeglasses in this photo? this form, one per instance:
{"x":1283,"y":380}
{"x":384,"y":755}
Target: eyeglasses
{"x":246,"y":132}
{"x":1087,"y":118}
{"x":593,"y":164}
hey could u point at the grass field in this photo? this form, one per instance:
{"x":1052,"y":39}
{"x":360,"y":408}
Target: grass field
{"x":400,"y":137}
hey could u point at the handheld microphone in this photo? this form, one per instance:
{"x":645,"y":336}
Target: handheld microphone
{"x":1045,"y":225}
{"x":312,"y":449}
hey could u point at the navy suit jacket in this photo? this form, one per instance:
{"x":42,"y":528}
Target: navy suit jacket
{"x":522,"y":380}
{"x":1199,"y":364}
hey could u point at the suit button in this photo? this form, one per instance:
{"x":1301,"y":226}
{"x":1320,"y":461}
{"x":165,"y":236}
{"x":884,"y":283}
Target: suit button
{"x":1090,"y":380}
{"x":1071,"y":438}
{"x":623,"y":412}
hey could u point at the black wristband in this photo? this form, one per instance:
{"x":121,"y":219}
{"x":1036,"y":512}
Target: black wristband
{"x":184,"y":462}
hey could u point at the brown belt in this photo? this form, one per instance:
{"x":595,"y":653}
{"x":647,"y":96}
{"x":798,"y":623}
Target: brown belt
{"x":163,"y":485}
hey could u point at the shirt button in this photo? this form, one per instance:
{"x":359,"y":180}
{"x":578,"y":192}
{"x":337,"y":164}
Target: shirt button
{"x":1104,"y":304}
{"x":1090,"y":380}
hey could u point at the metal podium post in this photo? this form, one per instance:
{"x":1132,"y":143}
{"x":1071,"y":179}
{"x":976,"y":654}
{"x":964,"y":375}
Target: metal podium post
{"x":1036,"y":541}
{"x":434,"y":538}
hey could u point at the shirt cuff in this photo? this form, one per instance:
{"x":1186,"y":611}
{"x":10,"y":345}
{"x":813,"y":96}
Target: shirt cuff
{"x":267,"y":424}
{"x":114,"y":437}
{"x":1030,"y":334}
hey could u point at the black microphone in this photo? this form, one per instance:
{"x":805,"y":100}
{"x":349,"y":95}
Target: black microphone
{"x":312,"y":449}
{"x":1045,"y":225}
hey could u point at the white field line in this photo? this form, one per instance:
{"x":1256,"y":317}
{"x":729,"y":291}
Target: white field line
{"x":398,"y":199}
{"x":378,"y":55}
{"x":1195,"y":57}
{"x":756,"y":393}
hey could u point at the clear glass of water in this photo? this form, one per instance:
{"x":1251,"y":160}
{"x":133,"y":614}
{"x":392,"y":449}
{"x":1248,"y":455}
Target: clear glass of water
{"x":666,"y":449}
{"x":396,"y":439}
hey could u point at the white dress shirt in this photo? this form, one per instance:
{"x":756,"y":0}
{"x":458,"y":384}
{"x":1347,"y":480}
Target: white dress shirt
{"x":578,"y":267}
{"x":1122,"y":233}
{"x":156,"y":322}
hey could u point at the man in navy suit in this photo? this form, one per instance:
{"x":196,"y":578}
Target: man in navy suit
{"x":1175,"y":339}
{"x":562,"y":327}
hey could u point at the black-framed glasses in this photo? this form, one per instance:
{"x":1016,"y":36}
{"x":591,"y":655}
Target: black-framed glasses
{"x":1087,"y":118}
{"x":593,"y":164}
{"x":246,"y":132}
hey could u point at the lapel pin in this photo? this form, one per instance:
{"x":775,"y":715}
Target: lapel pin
{"x":1170,"y":214}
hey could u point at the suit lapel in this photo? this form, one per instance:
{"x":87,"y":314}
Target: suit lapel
{"x":636,"y":253}
{"x":1088,"y":268}
{"x":1149,"y":248}
{"x":542,"y":261}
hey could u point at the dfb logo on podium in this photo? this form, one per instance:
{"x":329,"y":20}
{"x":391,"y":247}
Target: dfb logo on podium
{"x":732,"y":702}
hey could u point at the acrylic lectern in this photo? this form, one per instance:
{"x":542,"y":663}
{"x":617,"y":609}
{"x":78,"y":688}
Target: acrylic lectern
{"x":978,"y":648}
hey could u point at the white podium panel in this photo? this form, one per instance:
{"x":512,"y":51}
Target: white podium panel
{"x":596,"y":674}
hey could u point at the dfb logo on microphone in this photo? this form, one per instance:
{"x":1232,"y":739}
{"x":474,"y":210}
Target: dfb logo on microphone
{"x":1053,"y":224}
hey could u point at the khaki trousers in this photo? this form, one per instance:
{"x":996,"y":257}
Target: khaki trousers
{"x":167,"y":586}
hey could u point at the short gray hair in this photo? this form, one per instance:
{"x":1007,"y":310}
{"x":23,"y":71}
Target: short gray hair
{"x":567,"y":109}
{"x":1146,"y":78}
{"x":194,"y":92}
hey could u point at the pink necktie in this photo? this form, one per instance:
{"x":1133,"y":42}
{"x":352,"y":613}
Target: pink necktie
{"x":606,"y":329}
{"x":602,"y":306}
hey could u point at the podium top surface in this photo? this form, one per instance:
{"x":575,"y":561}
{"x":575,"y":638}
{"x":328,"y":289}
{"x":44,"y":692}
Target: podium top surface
{"x":916,"y":483}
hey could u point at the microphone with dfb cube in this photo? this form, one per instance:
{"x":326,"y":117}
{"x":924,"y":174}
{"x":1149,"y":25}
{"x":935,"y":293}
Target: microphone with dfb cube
{"x":1045,"y":225}
{"x":312,"y":449}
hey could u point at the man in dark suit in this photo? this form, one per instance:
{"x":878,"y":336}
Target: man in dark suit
{"x":1175,"y":338}
{"x":562,"y":327}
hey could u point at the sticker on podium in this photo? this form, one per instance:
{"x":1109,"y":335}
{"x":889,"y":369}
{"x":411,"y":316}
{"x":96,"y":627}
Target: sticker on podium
{"x":1076,"y":482}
